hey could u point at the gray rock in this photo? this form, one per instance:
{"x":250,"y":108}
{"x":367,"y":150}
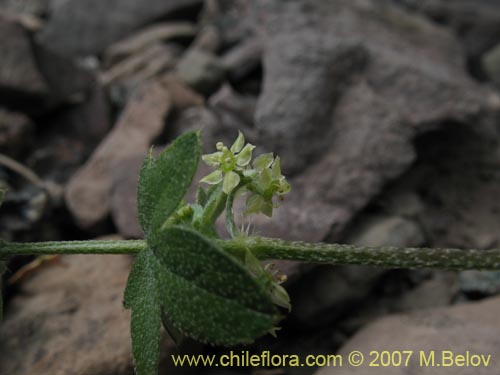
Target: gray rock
{"x":458,"y":183}
{"x":235,"y":111}
{"x":480,"y":283}
{"x":208,"y":39}
{"x":403,"y":203}
{"x":475,"y":22}
{"x":470,"y":327}
{"x":123,"y":196}
{"x":326,"y":293}
{"x":204,"y":119}
{"x":33,"y":77}
{"x":69,"y":319}
{"x":73,"y":30}
{"x":18,"y":68}
{"x":89,"y":120}
{"x":243,"y":58}
{"x":33,"y":7}
{"x":142,"y":65}
{"x":388,"y":231}
{"x":88,"y":192}
{"x":373,"y":78}
{"x":16,"y":132}
{"x":201,"y":70}
{"x":329,"y":292}
{"x":437,"y":291}
{"x":491,"y":64}
{"x":154,"y":34}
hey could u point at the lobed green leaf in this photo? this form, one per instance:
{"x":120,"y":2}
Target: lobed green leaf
{"x":141,"y":295}
{"x":163,"y":182}
{"x":206,"y":293}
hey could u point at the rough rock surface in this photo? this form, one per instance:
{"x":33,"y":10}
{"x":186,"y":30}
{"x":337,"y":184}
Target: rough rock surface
{"x":470,"y":327}
{"x":18,"y":69}
{"x":123,"y":196}
{"x":393,"y":76}
{"x":491,"y":64}
{"x":476,"y":22}
{"x":88,"y":192}
{"x":69,"y":319}
{"x":456,"y":176}
{"x":123,"y":193}
{"x":201,"y":70}
{"x":142,"y":65}
{"x":16,"y":132}
{"x":31,"y":76}
{"x":391,"y":231}
{"x":73,"y":30}
{"x":316,"y":302}
{"x":32,"y":7}
{"x":161,"y":32}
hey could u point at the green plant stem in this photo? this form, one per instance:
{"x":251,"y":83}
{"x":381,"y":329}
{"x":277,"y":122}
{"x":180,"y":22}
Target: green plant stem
{"x":71,"y":247}
{"x":274,"y":249}
{"x":383,"y":256}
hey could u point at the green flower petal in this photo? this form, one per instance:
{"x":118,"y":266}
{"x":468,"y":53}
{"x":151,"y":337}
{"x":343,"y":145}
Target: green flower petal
{"x":212,"y":160}
{"x":244,"y":157}
{"x":252,"y":173}
{"x":264,"y":180}
{"x":231,"y":180}
{"x":239,"y":143}
{"x":263,"y":161}
{"x":284,"y":187}
{"x":277,"y":169}
{"x":254,"y":204}
{"x":258,"y":204}
{"x":213,"y":178}
{"x":280,"y":297}
{"x":267,"y":208}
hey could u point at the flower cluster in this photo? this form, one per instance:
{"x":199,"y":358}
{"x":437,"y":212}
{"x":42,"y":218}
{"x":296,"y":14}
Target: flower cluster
{"x":230,"y":163}
{"x":260,"y":178}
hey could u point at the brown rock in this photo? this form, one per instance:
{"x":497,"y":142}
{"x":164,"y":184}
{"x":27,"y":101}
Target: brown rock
{"x":26,"y":7}
{"x":143,"y":64}
{"x":202,"y":118}
{"x":208,"y":39}
{"x":318,"y":303}
{"x":182,"y":95}
{"x":124,"y":196}
{"x":31,"y":76}
{"x":235,"y":111}
{"x":470,"y":327}
{"x":201,"y":70}
{"x":243,"y":58}
{"x":18,"y":69}
{"x":15,"y":132}
{"x":69,"y":319}
{"x":89,"y":120}
{"x":378,"y":230}
{"x":475,"y":22}
{"x":149,"y":36}
{"x":73,"y":30}
{"x":374,"y":78}
{"x":30,"y":22}
{"x":88,"y":192}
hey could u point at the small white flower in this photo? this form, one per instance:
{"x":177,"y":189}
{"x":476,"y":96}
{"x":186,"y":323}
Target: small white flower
{"x":228,"y":163}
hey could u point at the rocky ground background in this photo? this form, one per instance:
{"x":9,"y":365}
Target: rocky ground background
{"x":386,"y":115}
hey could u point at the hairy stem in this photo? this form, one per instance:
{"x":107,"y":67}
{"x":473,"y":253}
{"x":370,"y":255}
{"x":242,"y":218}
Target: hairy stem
{"x":383,"y":256}
{"x":71,"y":247}
{"x":273,"y":249}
